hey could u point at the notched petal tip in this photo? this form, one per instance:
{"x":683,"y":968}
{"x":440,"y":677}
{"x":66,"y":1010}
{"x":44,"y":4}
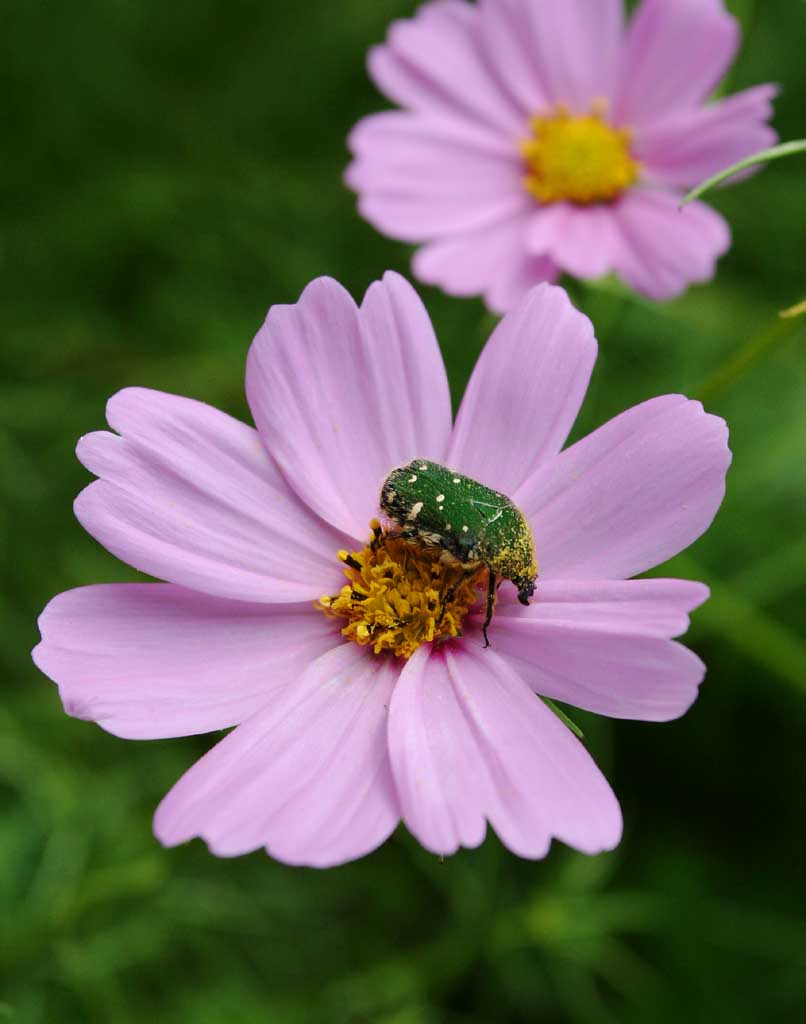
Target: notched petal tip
{"x":547,"y":294}
{"x":83,"y":502}
{"x":395,"y":279}
{"x":39,"y":652}
{"x":78,"y":708}
{"x":396,"y":286}
{"x":166,"y":835}
{"x":720,"y":433}
{"x":699,"y":593}
{"x":324,"y":291}
{"x":123,"y":399}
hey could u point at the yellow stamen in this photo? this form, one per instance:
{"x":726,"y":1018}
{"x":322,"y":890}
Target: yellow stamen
{"x":580,"y":159}
{"x":401,"y":594}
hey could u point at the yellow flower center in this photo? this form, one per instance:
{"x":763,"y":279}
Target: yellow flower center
{"x":401,"y":594}
{"x":581,"y":159}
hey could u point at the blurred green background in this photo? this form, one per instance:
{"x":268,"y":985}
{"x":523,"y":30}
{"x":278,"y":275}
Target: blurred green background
{"x":169,"y":171}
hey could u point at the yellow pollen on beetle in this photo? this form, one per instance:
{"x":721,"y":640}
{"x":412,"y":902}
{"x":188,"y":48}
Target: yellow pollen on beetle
{"x":400,"y":594}
{"x":578,"y":158}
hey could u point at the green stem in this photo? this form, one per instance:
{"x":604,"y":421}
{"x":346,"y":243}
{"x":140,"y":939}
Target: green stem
{"x":749,"y":354}
{"x":763,"y":157}
{"x":797,"y":310}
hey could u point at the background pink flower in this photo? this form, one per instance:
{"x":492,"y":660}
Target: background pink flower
{"x":332,"y":744}
{"x":499,"y":200}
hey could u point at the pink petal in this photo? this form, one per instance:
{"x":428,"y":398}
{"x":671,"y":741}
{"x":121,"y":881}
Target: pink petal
{"x":689,"y":147}
{"x":150,"y":660}
{"x":604,"y":646}
{"x":581,"y":240}
{"x":570,"y":47}
{"x":631,"y":494}
{"x":645,"y":607}
{"x":189,"y":494}
{"x":491,"y":261}
{"x":418,"y":215}
{"x":515,"y":278}
{"x":546,"y":226}
{"x":420,"y":176}
{"x":525,"y":391}
{"x":423,"y":144}
{"x":308,"y":777}
{"x":662,"y":248}
{"x":506,"y":38}
{"x":434,"y":63}
{"x":467,"y":263}
{"x":676,"y":52}
{"x":470,"y":743}
{"x":342,"y":395}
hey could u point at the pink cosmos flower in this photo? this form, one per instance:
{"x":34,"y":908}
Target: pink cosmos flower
{"x":334,"y":744}
{"x":541,"y":136}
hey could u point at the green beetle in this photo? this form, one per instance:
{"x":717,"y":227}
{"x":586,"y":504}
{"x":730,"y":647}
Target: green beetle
{"x":472,"y":524}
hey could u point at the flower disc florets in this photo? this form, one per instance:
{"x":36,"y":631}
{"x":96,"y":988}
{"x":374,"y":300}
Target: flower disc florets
{"x":401,"y":593}
{"x":581,"y":159}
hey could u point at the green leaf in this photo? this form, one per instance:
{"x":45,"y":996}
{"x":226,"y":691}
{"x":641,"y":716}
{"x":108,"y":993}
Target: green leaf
{"x":563,"y":717}
{"x":764,"y":156}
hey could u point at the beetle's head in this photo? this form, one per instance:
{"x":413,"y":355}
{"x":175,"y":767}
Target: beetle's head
{"x":526,"y":589}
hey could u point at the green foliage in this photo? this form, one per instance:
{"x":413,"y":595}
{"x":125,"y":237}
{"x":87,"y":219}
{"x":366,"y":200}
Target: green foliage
{"x":170,"y":171}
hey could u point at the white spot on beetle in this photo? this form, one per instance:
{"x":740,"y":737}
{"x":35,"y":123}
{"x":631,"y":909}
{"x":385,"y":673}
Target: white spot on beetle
{"x":457,"y":479}
{"x":440,"y":497}
{"x":441,"y":508}
{"x":464,"y":529}
{"x":413,"y":478}
{"x":423,"y":465}
{"x":415,"y":510}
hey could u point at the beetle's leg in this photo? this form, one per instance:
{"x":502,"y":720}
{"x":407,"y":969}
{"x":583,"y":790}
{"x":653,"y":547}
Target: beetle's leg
{"x":450,"y":593}
{"x":490,"y":606}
